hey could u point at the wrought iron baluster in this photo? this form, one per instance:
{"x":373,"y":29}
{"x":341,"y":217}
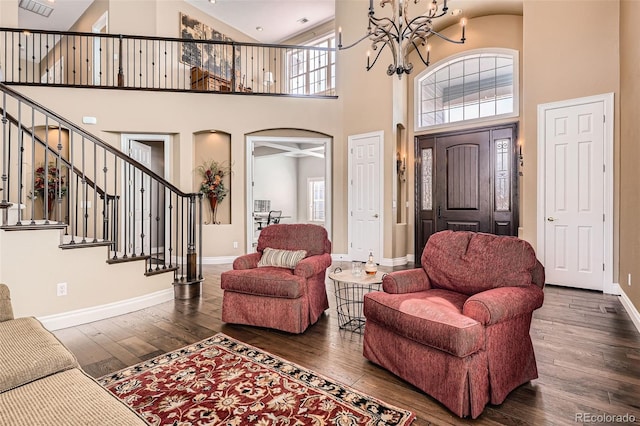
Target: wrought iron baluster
{"x":33,"y":172}
{"x":95,"y":193}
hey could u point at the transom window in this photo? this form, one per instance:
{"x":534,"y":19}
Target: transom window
{"x":313,"y":72}
{"x":477,"y":85}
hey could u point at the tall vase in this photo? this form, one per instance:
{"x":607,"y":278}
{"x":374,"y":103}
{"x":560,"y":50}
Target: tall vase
{"x":50,"y":206}
{"x":213,"y":202}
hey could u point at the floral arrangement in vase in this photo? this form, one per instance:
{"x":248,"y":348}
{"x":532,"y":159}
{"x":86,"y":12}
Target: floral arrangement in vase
{"x":53,"y":180}
{"x":212,"y":173}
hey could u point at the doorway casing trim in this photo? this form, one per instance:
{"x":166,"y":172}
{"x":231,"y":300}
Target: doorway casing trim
{"x":608,"y":285}
{"x":251,"y":140}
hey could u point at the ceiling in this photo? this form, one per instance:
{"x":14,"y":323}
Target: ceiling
{"x":279,"y":19}
{"x":65,"y":13}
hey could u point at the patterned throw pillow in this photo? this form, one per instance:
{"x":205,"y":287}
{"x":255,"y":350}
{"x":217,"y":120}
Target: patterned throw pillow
{"x":281,"y":258}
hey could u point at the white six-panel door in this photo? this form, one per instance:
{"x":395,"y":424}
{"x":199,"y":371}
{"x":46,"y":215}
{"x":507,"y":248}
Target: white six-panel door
{"x":365,"y":196}
{"x":574,"y":195}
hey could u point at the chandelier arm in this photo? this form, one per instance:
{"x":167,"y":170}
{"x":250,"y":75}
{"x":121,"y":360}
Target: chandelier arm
{"x":376,"y":57}
{"x":461,"y":41}
{"x":385,"y":24}
{"x":341,"y":47}
{"x":425,"y":62}
{"x":388,"y":40}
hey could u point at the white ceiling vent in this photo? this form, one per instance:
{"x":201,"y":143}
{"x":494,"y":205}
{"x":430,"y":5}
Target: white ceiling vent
{"x":36,"y":7}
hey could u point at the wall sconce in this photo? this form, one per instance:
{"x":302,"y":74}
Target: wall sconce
{"x":401,"y":167}
{"x":520,"y":157}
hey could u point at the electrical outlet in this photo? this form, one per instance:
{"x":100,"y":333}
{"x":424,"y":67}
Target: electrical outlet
{"x":235,"y":244}
{"x":61,"y":289}
{"x":629,"y":279}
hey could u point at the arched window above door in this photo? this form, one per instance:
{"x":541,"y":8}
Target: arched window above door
{"x":474,"y":86}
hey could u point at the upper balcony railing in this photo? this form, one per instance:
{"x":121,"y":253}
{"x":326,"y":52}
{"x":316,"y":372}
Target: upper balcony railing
{"x":74,"y":59}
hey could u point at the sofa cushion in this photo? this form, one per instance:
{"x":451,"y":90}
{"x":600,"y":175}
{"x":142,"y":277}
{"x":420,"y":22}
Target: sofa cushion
{"x":281,"y":258}
{"x":432,"y":317}
{"x":469,"y":262}
{"x":29,"y":352}
{"x":266,"y":281}
{"x":67,"y":398}
{"x":295,"y":236}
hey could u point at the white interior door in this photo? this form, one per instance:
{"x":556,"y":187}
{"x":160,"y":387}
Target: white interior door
{"x":139,"y":204}
{"x":574,"y":195}
{"x":365,"y":196}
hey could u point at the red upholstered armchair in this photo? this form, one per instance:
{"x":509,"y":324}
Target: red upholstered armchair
{"x":289,"y":297}
{"x":458,"y":328}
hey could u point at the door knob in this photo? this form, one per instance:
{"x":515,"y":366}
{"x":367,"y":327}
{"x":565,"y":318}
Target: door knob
{"x":550,"y":219}
{"x":375,"y":215}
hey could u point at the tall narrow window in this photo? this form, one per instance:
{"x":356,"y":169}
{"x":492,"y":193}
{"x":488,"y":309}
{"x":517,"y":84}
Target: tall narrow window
{"x":427,"y":179}
{"x":503,"y":175}
{"x":316,"y":200}
{"x":311,"y":71}
{"x":477,"y":85}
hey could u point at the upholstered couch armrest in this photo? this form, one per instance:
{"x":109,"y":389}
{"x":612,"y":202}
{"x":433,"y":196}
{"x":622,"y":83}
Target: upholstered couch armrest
{"x":6,"y":312}
{"x":247,"y":261}
{"x":501,"y":304}
{"x":407,"y":281}
{"x":537,"y":274}
{"x":313,"y":265}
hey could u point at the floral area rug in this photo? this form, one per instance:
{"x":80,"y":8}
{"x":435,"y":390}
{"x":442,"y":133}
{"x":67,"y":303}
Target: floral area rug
{"x":221,"y":381}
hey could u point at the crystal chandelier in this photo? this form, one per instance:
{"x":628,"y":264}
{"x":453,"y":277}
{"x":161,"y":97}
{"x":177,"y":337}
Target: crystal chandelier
{"x":400,"y":34}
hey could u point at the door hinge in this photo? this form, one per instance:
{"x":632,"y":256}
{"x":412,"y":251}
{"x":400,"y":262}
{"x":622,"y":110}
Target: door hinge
{"x":604,"y":118}
{"x":603,"y":266}
{"x":603,"y":219}
{"x":604,"y":170}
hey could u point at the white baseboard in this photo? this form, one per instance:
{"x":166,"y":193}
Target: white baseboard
{"x":631,"y":310}
{"x":340,"y":257}
{"x":96,"y":313}
{"x":218,"y":260}
{"x":397,"y":261}
{"x":411,"y":258}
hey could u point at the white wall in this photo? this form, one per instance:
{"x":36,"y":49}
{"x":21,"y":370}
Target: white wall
{"x":308,"y":167}
{"x":275,"y":179}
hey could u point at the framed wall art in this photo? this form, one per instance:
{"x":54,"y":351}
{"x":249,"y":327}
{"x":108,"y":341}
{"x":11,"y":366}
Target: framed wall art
{"x":220,"y":59}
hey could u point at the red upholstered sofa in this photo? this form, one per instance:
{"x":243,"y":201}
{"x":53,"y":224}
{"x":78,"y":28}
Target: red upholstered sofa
{"x":287,"y":299}
{"x":458,"y":328}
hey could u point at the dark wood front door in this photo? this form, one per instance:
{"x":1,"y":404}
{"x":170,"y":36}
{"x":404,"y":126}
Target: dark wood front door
{"x":466,"y":181}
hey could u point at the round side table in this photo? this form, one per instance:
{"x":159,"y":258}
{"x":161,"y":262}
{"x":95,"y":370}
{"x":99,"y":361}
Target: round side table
{"x":350,"y":290}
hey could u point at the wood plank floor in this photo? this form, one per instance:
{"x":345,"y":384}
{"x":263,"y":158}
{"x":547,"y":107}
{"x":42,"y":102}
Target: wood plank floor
{"x":587,"y":349}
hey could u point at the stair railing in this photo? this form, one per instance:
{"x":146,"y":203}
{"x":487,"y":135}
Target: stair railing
{"x":57,"y":175}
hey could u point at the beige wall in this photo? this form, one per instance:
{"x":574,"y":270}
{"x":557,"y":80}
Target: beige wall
{"x":366,"y":100}
{"x":629,"y":150}
{"x":569,"y":62}
{"x":31,"y":267}
{"x":183,"y":114}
